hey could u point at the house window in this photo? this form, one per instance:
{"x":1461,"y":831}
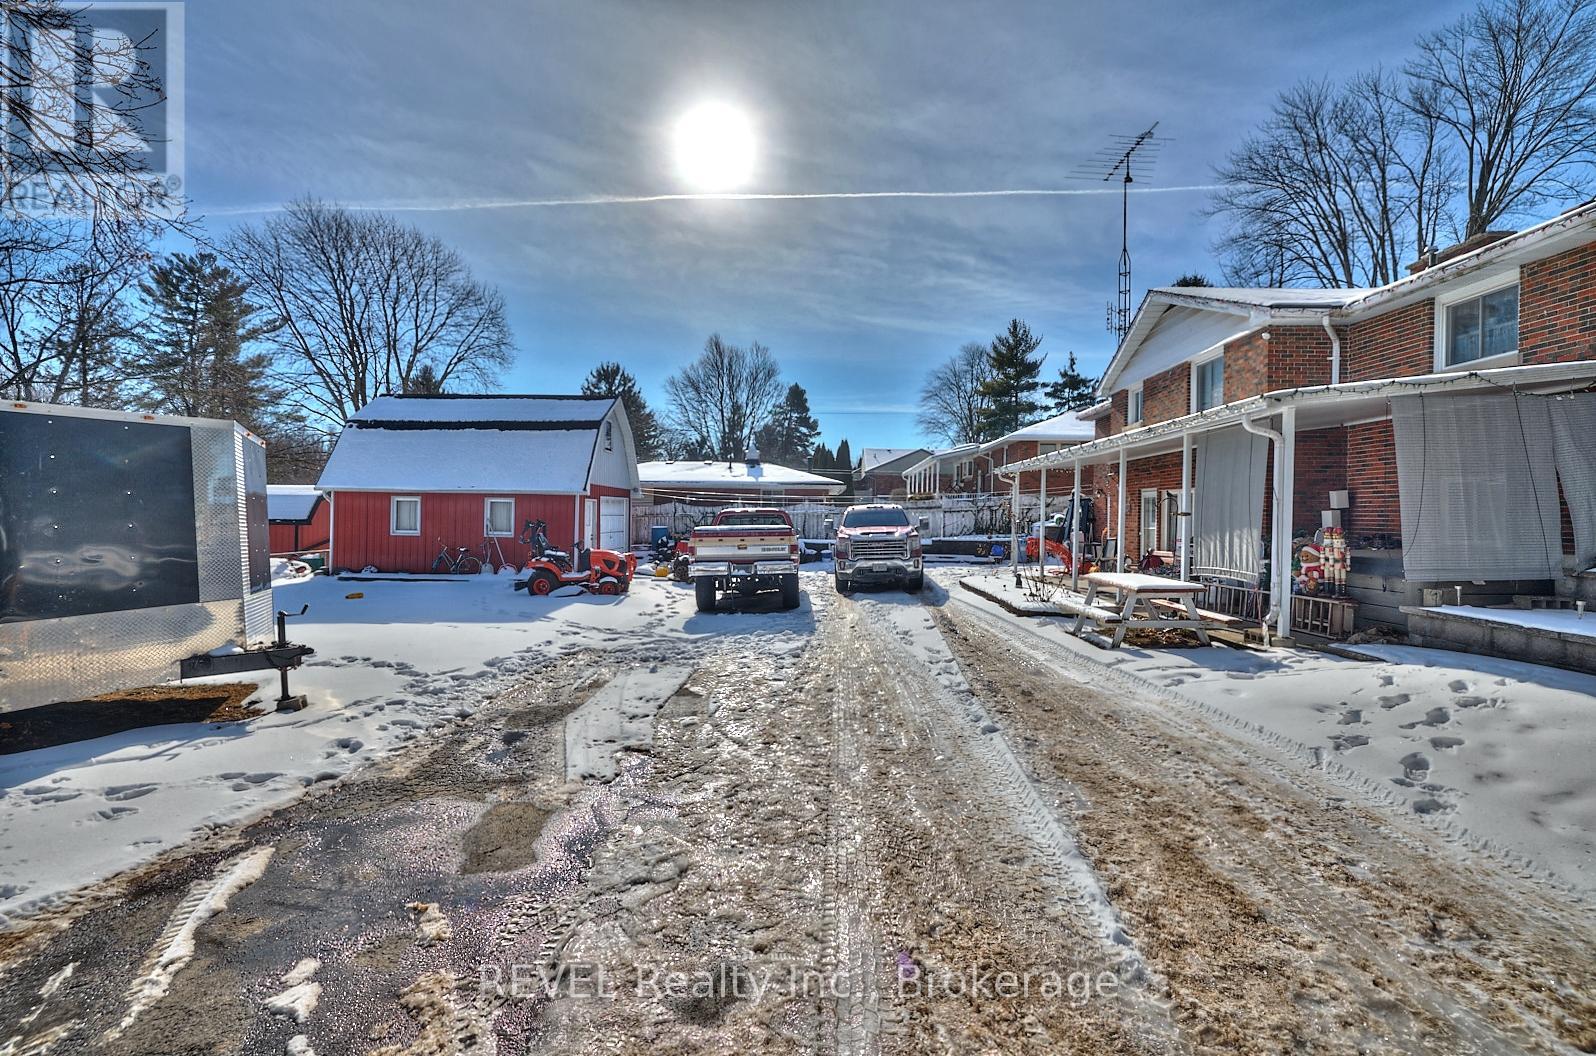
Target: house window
{"x":1208,"y":384}
{"x":609,"y":436}
{"x":499,"y":517}
{"x":1482,"y":327}
{"x":1133,"y":410}
{"x":404,"y":515}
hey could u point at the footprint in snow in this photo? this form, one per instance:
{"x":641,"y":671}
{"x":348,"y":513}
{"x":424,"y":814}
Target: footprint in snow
{"x":114,"y":813}
{"x":1443,"y":743}
{"x":125,"y":792}
{"x":1431,"y":805}
{"x":1457,"y":685}
{"x":1434,"y":717}
{"x":1352,"y":717}
{"x":1395,"y":700}
{"x":1415,"y":766}
{"x":1342,"y":742}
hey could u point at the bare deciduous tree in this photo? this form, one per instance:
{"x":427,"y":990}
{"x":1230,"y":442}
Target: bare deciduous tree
{"x":953,"y":407}
{"x":722,"y":398}
{"x":1514,"y":83}
{"x":366,"y":303}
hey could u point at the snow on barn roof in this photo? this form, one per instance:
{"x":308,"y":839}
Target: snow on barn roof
{"x":507,"y":444}
{"x":291,"y":502}
{"x":736,"y":475}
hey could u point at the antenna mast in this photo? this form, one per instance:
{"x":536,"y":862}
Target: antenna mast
{"x":1141,"y":150}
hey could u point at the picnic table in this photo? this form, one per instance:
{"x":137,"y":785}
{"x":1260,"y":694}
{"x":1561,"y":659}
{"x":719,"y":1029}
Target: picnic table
{"x":1165,"y":603}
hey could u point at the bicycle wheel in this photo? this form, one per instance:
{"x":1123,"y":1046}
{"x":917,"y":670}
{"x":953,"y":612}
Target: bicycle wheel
{"x":468,"y":566}
{"x":440,"y":564}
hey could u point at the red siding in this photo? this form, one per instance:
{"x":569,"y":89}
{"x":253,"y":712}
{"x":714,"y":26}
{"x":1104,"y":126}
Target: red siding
{"x":298,"y":538}
{"x":361,"y":522}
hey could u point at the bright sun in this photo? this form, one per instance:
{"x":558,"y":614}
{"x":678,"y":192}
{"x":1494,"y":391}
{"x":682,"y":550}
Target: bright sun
{"x":715,"y":147}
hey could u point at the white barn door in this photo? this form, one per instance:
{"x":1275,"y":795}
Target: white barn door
{"x":589,"y":523}
{"x":615,"y":525}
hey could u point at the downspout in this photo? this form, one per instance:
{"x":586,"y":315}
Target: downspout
{"x":1335,"y":350}
{"x":1276,"y":549}
{"x":1014,"y":524}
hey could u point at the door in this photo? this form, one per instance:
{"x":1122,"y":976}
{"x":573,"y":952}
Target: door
{"x":615,"y":530}
{"x":1150,"y":511}
{"x":590,"y":523}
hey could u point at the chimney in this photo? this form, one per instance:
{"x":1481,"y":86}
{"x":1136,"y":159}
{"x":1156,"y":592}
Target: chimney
{"x":1432,"y":256}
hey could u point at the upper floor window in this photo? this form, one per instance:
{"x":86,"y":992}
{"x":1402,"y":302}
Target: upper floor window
{"x":1208,"y":384}
{"x":1133,"y":407}
{"x":609,"y":436}
{"x":1481,"y":327}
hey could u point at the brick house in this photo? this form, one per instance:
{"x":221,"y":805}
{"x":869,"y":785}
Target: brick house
{"x":1445,"y":406}
{"x":979,"y":469}
{"x":879,"y":472}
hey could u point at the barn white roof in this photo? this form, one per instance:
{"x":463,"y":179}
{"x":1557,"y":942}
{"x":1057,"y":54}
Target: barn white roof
{"x":499,"y":444}
{"x":291,"y":502}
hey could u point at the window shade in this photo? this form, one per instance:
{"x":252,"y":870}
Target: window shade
{"x":1574,"y":428}
{"x":1229,"y":504}
{"x":1478,"y":490}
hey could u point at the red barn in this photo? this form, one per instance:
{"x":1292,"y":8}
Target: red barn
{"x":299,"y":518}
{"x":411,"y":475}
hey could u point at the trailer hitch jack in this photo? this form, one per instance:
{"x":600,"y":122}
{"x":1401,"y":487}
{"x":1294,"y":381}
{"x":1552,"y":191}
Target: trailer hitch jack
{"x":288,"y":701}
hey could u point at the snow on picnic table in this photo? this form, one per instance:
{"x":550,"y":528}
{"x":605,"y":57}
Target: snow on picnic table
{"x":405,"y":657}
{"x":1499,"y":750}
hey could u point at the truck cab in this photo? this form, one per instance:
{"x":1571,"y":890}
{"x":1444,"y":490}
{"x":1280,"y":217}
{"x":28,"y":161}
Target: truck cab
{"x":876,"y":543}
{"x":744,"y":550}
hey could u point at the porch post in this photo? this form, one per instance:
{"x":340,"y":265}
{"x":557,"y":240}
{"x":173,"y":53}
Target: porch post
{"x":1014,"y":525}
{"x":1286,"y":456}
{"x":1119,"y":528}
{"x":1075,"y":522}
{"x":1185,"y":506}
{"x":1041,"y":524}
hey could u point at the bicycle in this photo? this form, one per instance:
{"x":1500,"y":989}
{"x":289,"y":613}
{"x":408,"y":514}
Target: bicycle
{"x":463,"y":563}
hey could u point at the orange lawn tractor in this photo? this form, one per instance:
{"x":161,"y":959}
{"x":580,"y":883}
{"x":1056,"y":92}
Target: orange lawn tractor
{"x":595,"y":571}
{"x":1059,"y":550}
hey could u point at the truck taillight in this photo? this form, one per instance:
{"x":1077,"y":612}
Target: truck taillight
{"x":692,"y":549}
{"x":792,"y":548}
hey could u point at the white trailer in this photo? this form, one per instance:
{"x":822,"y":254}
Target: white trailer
{"x":129,"y":543}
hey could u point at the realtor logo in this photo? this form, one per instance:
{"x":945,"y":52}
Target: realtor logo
{"x":92,"y":100}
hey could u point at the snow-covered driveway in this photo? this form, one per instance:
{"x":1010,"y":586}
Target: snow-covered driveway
{"x":880,"y":824}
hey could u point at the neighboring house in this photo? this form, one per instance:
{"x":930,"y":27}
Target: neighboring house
{"x":974,"y":469}
{"x":412,"y":474}
{"x":879,"y":471}
{"x":726,"y":482}
{"x":299,"y":518}
{"x":1449,"y":406}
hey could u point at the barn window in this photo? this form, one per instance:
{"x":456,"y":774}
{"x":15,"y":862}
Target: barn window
{"x":499,"y":517}
{"x":404,"y":516}
{"x":609,"y":436}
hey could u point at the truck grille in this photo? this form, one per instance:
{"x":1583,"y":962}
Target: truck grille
{"x":879,"y":549}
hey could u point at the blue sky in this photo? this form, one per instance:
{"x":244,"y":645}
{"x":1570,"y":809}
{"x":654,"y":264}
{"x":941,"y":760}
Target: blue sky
{"x":448,"y":110}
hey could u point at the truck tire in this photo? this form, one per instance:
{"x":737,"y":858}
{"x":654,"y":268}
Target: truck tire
{"x":704,"y":591}
{"x":843,"y":586}
{"x":789,"y":591}
{"x":914,"y":583}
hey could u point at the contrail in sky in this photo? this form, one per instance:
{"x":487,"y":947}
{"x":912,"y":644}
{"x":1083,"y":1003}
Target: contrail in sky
{"x":726,"y":196}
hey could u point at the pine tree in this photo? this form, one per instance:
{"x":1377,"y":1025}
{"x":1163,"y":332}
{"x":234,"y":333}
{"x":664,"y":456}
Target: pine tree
{"x":1192,"y":279}
{"x":612,"y":381}
{"x":424,"y":382}
{"x":1073,"y":391}
{"x":822,"y":459}
{"x":789,"y":437}
{"x":845,"y":466}
{"x":192,"y":360}
{"x":1016,"y":371}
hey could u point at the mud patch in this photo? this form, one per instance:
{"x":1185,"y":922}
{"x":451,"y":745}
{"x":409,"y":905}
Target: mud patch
{"x":503,"y":838}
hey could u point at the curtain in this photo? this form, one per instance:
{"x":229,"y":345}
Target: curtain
{"x":1229,"y":504}
{"x":1478,"y":487}
{"x":1574,"y":432}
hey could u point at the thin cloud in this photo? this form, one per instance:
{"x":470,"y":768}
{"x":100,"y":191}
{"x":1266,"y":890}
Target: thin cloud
{"x":459,"y":206}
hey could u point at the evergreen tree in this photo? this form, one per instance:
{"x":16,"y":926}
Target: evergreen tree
{"x":612,"y":381}
{"x":788,"y":438}
{"x":192,"y":359}
{"x":822,"y":459}
{"x":1073,"y":391}
{"x":845,"y":466}
{"x":1016,"y":371}
{"x":1192,"y":279}
{"x":424,"y":382}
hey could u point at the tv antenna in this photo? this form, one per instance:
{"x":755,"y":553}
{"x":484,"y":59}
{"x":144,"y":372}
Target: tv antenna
{"x":1122,"y":153}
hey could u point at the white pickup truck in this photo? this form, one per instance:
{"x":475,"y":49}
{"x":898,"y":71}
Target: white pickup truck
{"x":744,"y":551}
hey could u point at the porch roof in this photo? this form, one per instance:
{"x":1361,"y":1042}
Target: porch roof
{"x":1317,"y":407}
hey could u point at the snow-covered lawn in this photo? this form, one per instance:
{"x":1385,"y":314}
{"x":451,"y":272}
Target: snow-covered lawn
{"x":389,"y":665}
{"x":1500,"y":750}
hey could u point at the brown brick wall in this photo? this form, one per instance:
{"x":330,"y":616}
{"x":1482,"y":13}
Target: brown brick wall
{"x":1396,"y":344}
{"x":1321,"y":468}
{"x":1557,"y":308}
{"x":1247,"y":367}
{"x":1372,"y":479}
{"x":1165,"y":396}
{"x":1298,"y":356}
